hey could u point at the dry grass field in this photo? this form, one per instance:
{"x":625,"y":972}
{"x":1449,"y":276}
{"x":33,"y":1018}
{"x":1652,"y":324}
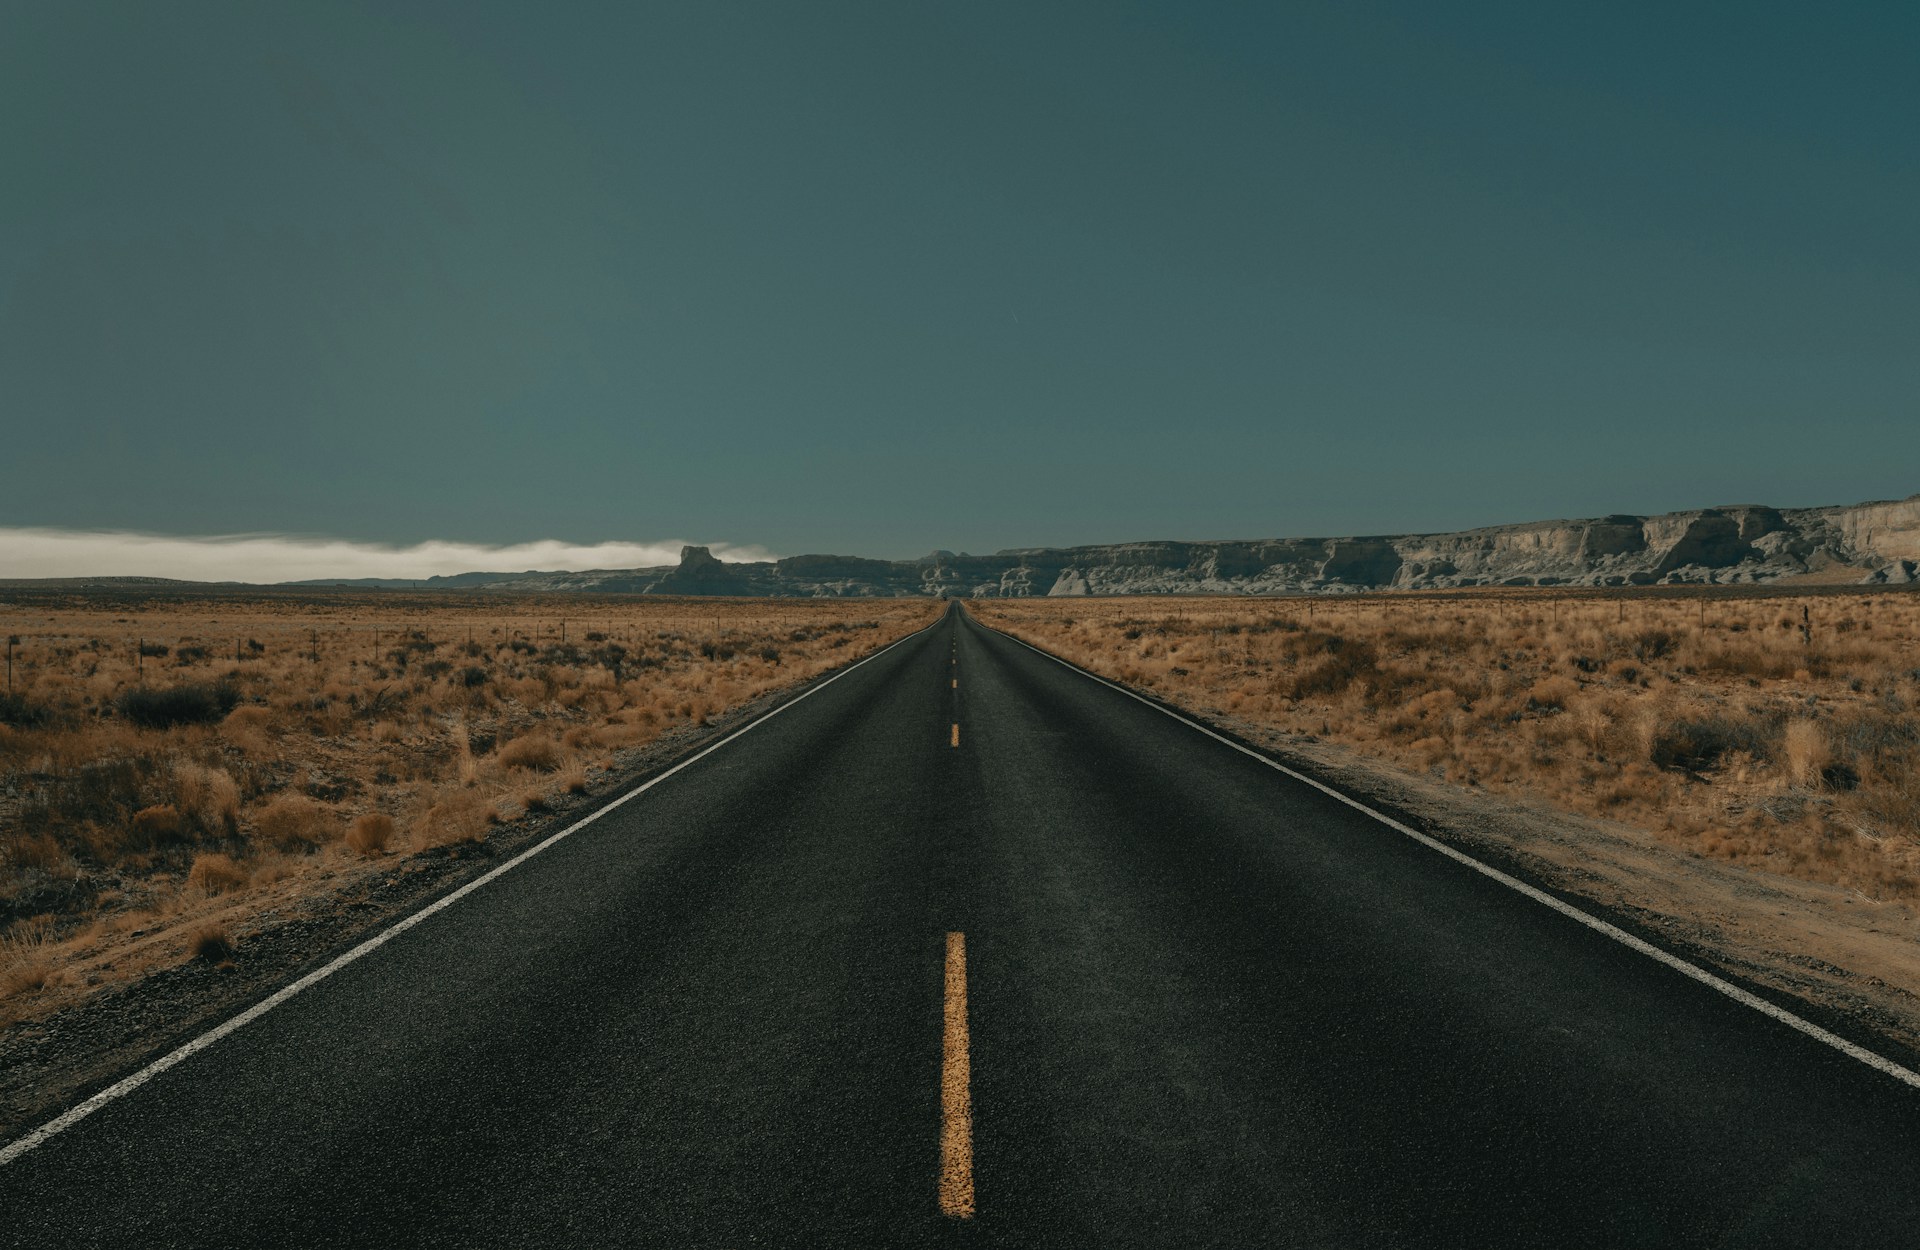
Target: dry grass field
{"x":171,"y":766}
{"x":1779,"y":731}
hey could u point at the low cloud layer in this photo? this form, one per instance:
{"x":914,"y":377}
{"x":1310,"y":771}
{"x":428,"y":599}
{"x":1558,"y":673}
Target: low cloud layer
{"x":285,"y":558}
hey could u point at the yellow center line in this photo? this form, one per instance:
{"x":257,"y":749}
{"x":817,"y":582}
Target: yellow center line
{"x":956,"y":683}
{"x":956,"y":1091}
{"x":956,"y":733}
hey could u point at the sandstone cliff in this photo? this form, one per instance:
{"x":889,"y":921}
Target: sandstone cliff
{"x":1741,"y":544}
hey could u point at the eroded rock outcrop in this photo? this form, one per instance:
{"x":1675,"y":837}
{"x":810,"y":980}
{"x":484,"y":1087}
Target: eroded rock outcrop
{"x":1728,"y":545}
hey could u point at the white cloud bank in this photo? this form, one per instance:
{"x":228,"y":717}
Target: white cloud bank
{"x":290,"y":558}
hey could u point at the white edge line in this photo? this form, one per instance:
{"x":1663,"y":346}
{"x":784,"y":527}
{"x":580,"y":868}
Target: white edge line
{"x":1682,"y":966}
{"x":126,"y":1086}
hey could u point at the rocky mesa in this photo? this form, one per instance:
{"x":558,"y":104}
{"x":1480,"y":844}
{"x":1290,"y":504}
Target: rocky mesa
{"x":1739,"y":544}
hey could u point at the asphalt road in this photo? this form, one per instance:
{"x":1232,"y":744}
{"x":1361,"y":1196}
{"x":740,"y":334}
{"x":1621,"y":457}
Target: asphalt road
{"x":1205,"y":1005}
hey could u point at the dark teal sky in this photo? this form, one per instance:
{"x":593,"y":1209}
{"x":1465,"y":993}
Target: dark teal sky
{"x":887,"y":277}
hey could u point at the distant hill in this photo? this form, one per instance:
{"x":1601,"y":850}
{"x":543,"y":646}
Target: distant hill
{"x":456,"y":581}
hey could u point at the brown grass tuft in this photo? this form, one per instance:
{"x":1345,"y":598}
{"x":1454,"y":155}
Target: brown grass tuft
{"x":294,"y":822}
{"x":533,"y":752}
{"x":213,"y":873}
{"x":27,"y":961}
{"x":247,"y":728}
{"x":459,"y":816}
{"x":370,"y":833}
{"x":210,"y":795}
{"x":156,"y":825}
{"x":1805,"y":744}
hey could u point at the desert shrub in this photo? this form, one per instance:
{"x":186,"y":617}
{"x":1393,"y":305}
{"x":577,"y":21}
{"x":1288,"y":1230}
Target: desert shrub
{"x":1552,"y":694}
{"x":104,"y":792}
{"x":294,"y":822}
{"x":1654,"y":644}
{"x":610,"y":656}
{"x":248,"y":719}
{"x":189,"y":655}
{"x":1696,"y":743}
{"x":458,"y":816}
{"x":1804,"y":744}
{"x":1751,"y":661}
{"x":1877,"y":736}
{"x":196,"y":703}
{"x":1341,"y":663}
{"x":370,"y":833}
{"x":473,"y":676}
{"x":211,"y":943}
{"x":213,"y":873}
{"x":535,"y":752}
{"x":157,"y":825}
{"x":378,"y":704}
{"x":39,"y":851}
{"x":157,"y":650}
{"x":411,"y":647}
{"x":208,"y":796}
{"x":246,"y":728}
{"x":1894,"y":807}
{"x":22,"y":713}
{"x":27,"y":960}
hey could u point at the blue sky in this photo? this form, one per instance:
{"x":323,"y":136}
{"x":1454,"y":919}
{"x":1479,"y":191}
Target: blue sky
{"x":882,"y":278}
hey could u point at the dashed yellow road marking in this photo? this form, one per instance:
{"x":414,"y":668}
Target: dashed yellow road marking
{"x":956,"y":734}
{"x":956,"y":683}
{"x":956,"y":1091}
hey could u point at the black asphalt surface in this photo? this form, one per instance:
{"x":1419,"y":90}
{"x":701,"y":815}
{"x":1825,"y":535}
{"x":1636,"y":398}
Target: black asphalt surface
{"x":1208,"y":1006}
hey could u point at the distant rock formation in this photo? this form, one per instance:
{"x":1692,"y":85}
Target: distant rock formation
{"x":1877,"y":542}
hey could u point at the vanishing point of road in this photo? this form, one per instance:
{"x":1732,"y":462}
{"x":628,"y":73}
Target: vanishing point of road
{"x":962,"y":948}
